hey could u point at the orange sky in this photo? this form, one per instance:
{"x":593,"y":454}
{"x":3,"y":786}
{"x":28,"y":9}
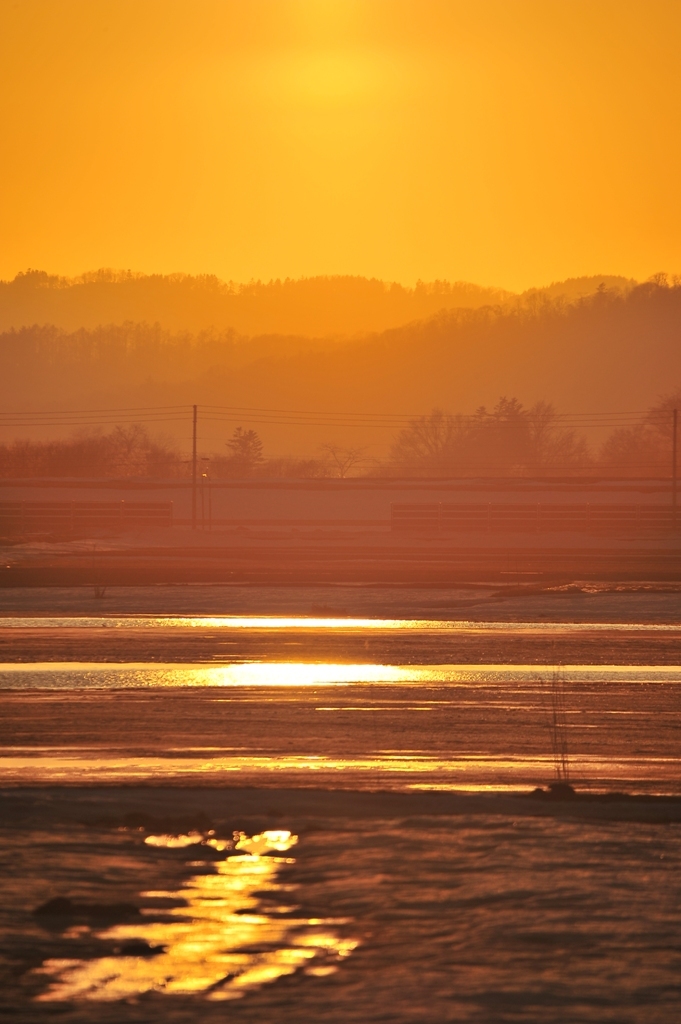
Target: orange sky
{"x":506,"y":142}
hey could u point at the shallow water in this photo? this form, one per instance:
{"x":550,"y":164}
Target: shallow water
{"x":98,"y":675}
{"x":226,"y":640}
{"x":488,"y":918}
{"x":360,"y":726}
{"x":310,"y":622}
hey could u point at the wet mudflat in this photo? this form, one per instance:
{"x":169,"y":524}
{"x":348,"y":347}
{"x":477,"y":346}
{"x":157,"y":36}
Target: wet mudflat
{"x":356,"y":703}
{"x":520,"y":598}
{"x":307,"y":831}
{"x":354,"y":726}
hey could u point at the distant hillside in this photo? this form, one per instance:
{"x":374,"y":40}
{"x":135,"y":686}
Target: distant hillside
{"x":311,"y":307}
{"x":612,"y":350}
{"x":314,"y":307}
{"x":578,"y":288}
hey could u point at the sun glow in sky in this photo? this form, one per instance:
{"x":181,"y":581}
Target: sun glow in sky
{"x":508,"y":142}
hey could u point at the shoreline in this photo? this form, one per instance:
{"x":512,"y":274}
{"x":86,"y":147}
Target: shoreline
{"x":185,"y":807}
{"x":578,"y":600}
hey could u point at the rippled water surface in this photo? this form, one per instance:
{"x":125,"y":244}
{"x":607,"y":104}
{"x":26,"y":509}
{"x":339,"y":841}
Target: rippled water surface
{"x":361,"y":726}
{"x":420,"y":919}
{"x":218,"y":935}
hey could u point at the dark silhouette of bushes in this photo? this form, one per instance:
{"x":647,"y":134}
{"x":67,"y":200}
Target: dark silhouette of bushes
{"x":125,"y":452}
{"x":510,"y":440}
{"x":644,"y":450}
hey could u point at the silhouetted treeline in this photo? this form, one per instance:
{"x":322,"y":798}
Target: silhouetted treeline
{"x":513,"y":441}
{"x":313,"y":307}
{"x":124,"y":452}
{"x":316,"y":306}
{"x":645,"y":449}
{"x":509,"y":440}
{"x":609,"y":351}
{"x":127,"y":364}
{"x":132,"y":453}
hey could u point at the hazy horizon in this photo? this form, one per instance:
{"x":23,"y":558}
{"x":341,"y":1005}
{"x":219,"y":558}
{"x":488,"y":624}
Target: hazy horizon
{"x":379,"y":208}
{"x":318,"y":305}
{"x":118,"y":272}
{"x":580,"y":347}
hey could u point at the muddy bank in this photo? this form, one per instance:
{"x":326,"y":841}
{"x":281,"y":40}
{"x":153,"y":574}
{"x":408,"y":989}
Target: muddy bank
{"x":575,"y":601}
{"x":184,"y":809}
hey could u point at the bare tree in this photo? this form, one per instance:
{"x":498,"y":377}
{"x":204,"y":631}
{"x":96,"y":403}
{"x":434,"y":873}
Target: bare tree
{"x":427,"y":441}
{"x":552,"y":446}
{"x":344,"y":459}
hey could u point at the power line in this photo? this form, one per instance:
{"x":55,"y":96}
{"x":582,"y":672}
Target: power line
{"x":300,"y":417}
{"x":123,"y":408}
{"x":217,"y":411}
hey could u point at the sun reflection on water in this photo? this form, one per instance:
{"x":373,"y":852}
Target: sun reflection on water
{"x":384,"y":769}
{"x":142,"y":675}
{"x":222,"y":941}
{"x":315,"y":622}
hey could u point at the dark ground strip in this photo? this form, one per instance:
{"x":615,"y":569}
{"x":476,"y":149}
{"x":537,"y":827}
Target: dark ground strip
{"x":396,"y":647}
{"x":313,"y":563}
{"x":177,"y":809}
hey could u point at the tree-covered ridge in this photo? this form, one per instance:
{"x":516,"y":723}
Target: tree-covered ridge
{"x":613,"y":350}
{"x":322,"y":306}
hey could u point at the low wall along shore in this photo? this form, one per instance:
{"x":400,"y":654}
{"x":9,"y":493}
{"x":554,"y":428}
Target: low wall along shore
{"x":78,"y":507}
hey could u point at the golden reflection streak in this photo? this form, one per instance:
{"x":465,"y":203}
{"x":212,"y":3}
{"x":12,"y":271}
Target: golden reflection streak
{"x":290,"y":673}
{"x":383,"y":769}
{"x":219,"y":945}
{"x":306,"y":622}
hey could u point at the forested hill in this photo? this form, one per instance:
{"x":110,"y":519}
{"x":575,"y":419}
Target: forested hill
{"x":312,"y":307}
{"x":610,"y":351}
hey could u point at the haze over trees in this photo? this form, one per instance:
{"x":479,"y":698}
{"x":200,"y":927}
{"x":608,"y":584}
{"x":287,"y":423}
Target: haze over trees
{"x":120,"y":453}
{"x":645,"y":448}
{"x":313,"y":307}
{"x":613,"y":349}
{"x":508,"y":441}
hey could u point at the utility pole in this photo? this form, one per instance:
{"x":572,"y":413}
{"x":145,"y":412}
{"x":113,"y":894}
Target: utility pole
{"x":194,"y":417}
{"x":205,"y":480}
{"x":675,"y":424}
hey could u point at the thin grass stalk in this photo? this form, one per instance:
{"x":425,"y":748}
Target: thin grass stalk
{"x":556,"y":719}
